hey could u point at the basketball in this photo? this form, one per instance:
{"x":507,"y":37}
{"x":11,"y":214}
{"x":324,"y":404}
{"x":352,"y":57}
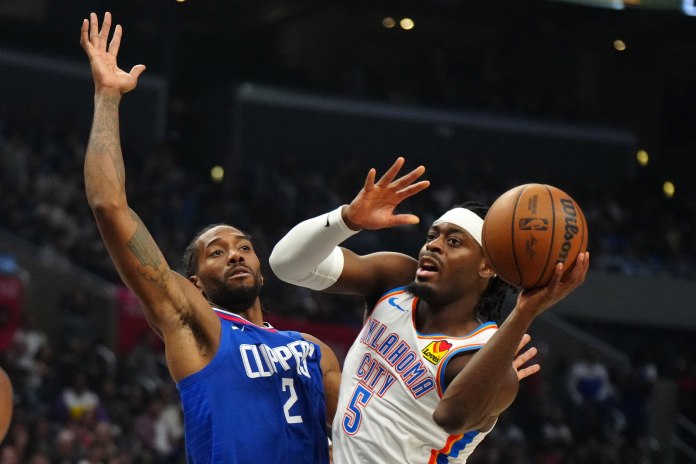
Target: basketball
{"x":529,"y":229}
{"x":5,"y":403}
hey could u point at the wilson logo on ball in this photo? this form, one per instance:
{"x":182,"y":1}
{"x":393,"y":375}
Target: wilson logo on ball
{"x":533,"y":224}
{"x":571,"y":228}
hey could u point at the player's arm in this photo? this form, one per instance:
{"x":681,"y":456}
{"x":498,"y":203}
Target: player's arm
{"x":309,"y":254}
{"x":168,"y":298}
{"x":331,"y":372}
{"x":487,"y":384}
{"x":500,"y":402}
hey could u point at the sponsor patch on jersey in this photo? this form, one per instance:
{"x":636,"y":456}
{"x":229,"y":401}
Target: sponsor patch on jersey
{"x":436,"y":350}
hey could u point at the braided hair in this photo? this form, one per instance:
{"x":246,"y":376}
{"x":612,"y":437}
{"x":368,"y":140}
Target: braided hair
{"x":490,"y":305}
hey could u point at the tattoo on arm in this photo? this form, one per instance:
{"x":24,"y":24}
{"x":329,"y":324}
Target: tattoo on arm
{"x":104,"y":137}
{"x":144,"y":248}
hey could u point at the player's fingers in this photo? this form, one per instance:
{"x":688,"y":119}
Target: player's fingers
{"x":93,"y":29}
{"x":520,"y":360}
{"x":525,"y":339}
{"x":527,"y":371}
{"x":413,"y":189}
{"x":577,"y":275}
{"x":137,"y":70}
{"x":404,"y":219}
{"x":557,"y":275}
{"x":84,"y":35}
{"x":104,"y":32}
{"x":409,"y":178}
{"x":583,"y":264}
{"x":391,"y":173}
{"x":116,"y":40}
{"x":370,"y":179}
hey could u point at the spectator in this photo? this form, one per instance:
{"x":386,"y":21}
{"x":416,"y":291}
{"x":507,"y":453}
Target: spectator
{"x":77,"y":401}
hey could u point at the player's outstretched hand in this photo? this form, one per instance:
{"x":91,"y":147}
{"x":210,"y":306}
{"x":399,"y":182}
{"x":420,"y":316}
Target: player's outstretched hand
{"x":534,"y":302}
{"x":373,"y":207}
{"x":522,"y":358}
{"x":102,"y":57}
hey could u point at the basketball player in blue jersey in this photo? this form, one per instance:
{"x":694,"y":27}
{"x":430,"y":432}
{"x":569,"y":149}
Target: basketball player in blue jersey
{"x":250,"y":393}
{"x":431,"y":371}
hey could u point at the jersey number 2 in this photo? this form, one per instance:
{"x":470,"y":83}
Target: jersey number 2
{"x":289,"y":385}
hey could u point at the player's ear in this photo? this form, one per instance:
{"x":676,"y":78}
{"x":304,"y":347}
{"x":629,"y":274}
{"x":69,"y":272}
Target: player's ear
{"x":486,"y":271}
{"x":197,"y":282}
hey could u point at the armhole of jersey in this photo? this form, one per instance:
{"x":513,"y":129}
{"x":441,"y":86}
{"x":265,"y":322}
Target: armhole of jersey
{"x":440,"y":379}
{"x":317,"y":348}
{"x":213,"y":364}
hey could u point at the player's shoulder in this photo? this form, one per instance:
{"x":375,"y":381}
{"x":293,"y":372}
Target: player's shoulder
{"x":312,"y":339}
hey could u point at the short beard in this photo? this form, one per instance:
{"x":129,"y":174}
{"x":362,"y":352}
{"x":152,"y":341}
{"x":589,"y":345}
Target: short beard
{"x":237,"y":299}
{"x":421,"y":291}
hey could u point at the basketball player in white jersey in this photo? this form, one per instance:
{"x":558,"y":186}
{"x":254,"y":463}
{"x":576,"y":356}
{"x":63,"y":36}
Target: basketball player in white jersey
{"x":431,"y":371}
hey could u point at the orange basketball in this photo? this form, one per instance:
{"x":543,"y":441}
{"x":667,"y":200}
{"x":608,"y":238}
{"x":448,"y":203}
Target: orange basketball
{"x":529,"y":229}
{"x":5,"y":403}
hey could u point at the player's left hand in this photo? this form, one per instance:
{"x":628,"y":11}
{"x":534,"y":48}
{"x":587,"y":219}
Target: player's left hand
{"x":521,"y":359}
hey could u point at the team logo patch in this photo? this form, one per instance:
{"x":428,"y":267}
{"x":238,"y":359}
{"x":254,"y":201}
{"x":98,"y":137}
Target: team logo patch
{"x":436,"y":350}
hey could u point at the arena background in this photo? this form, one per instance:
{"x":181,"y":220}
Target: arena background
{"x":293,"y":101}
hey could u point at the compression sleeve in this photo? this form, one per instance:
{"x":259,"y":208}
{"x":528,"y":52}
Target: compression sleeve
{"x":308,"y":255}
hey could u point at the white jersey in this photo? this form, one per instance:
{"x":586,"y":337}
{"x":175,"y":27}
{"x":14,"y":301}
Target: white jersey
{"x":392,"y":382}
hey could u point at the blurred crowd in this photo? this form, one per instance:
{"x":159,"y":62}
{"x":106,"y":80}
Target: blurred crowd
{"x":78,"y":402}
{"x":632,"y":230}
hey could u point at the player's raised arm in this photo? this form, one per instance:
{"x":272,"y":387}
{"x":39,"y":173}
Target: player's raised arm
{"x":309,"y":255}
{"x":487,"y":383}
{"x":138,"y":259}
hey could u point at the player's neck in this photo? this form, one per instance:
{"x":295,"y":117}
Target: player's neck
{"x":456,"y":318}
{"x":253,"y":314}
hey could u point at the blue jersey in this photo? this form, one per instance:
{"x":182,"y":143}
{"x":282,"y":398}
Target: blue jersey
{"x":260,"y":400}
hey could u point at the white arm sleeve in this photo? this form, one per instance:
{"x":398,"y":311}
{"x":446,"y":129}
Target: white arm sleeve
{"x":308,"y":255}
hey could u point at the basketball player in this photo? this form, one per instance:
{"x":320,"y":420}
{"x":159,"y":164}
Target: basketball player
{"x":250,"y":393}
{"x":430,"y":371}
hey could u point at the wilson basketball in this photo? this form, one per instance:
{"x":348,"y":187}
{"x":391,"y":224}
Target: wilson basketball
{"x":529,"y":229}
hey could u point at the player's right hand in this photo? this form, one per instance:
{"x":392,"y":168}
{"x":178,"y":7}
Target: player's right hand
{"x":533,"y":302}
{"x":102,"y":58}
{"x":373,"y":207}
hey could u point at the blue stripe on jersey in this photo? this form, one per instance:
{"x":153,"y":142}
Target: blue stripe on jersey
{"x":449,"y":357}
{"x":457,"y":447}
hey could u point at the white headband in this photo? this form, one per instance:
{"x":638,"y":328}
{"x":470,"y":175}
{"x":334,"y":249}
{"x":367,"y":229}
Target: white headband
{"x":466,"y":219}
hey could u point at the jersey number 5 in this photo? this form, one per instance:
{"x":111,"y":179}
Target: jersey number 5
{"x":289,"y":385}
{"x":353,"y":416}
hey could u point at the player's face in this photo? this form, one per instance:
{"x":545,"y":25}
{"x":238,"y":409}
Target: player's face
{"x":450,"y":265}
{"x":229,"y":272}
